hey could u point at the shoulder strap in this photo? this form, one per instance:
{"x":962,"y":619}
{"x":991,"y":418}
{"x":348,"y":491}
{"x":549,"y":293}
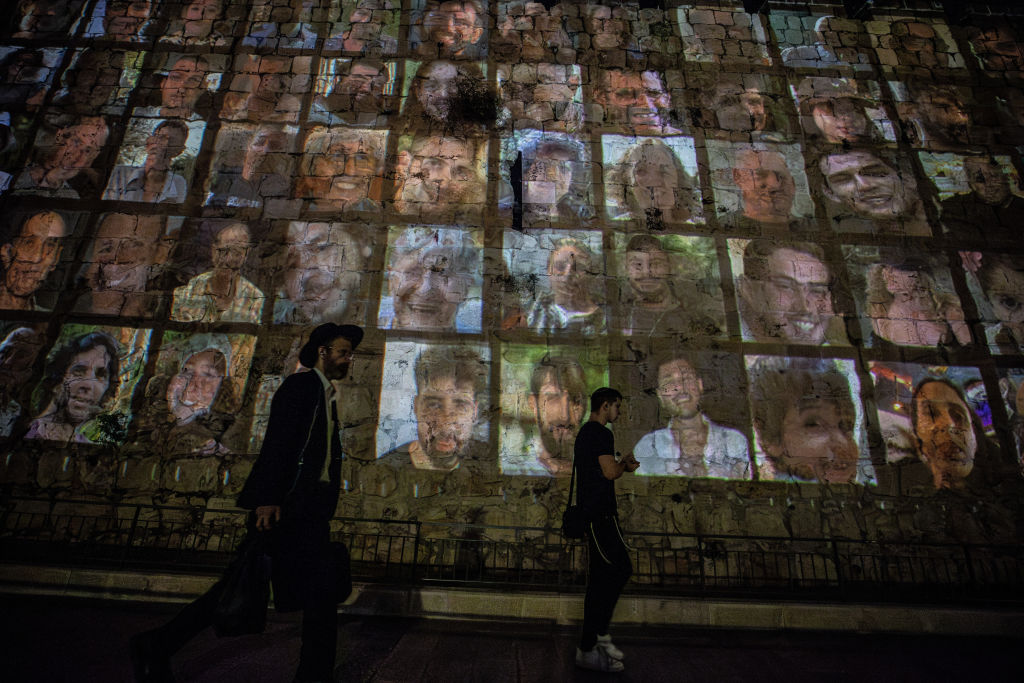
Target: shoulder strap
{"x":302,"y":453}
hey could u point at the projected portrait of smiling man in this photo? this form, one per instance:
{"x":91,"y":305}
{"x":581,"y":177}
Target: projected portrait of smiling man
{"x":431,"y":272}
{"x":633,"y":102}
{"x":440,"y":179}
{"x":452,"y":29}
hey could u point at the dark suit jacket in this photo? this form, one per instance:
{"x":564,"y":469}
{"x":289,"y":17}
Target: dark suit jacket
{"x":297,"y":429}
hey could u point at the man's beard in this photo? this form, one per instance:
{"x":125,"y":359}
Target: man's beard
{"x":560,"y":449}
{"x":448,"y":457}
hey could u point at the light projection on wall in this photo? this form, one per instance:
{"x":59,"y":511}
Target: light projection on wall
{"x":791,"y":240}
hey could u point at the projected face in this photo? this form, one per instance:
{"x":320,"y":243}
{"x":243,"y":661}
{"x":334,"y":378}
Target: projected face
{"x":266,"y":142}
{"x":41,"y":18}
{"x":191,"y":392}
{"x":944,"y":116}
{"x":74,"y":150}
{"x":182,"y":86}
{"x":868,"y":186}
{"x":637,"y":99}
{"x":446,"y":411}
{"x":342,"y":167}
{"x":18,"y":354}
{"x":998,"y":48}
{"x":362,"y":88}
{"x":427,"y":289}
{"x":231,"y":248}
{"x":841,"y":120}
{"x":124,"y":251}
{"x":655,"y":178}
{"x":790,"y":300}
{"x":649,"y":272}
{"x":559,"y":407}
{"x":741,"y":110}
{"x":1003,"y":282}
{"x":124,"y":18}
{"x":549,"y":175}
{"x":316,"y":277}
{"x":818,"y":442}
{"x":911,"y":315}
{"x":30,"y":258}
{"x":571,"y":277}
{"x":766,"y":185}
{"x":916,"y":43}
{"x":442,"y":175}
{"x":163,"y":145}
{"x":93,"y":81}
{"x":986,"y":179}
{"x":947,"y":440}
{"x":434,"y":88}
{"x":679,"y":389}
{"x":452,"y":26}
{"x":85,"y":383}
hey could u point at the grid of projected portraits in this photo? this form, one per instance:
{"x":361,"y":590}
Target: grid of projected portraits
{"x":791,"y":240}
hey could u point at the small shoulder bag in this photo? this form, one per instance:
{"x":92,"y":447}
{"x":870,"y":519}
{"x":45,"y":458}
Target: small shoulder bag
{"x":574,"y":523}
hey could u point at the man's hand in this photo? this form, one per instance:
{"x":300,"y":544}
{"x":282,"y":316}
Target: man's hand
{"x":630,"y":462}
{"x":267,"y":516}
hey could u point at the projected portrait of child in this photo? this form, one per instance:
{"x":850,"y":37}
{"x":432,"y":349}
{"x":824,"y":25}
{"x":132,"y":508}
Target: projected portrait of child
{"x":651,"y":180}
{"x":907,"y":296}
{"x":91,"y":371}
{"x":322,"y":274}
{"x":691,"y":444}
{"x":544,"y":400}
{"x":342,"y":169}
{"x":997,"y":282}
{"x":355,"y":92}
{"x":808,"y":420}
{"x":253,"y":164}
{"x":434,"y":415}
{"x":193,"y":400}
{"x":433,"y":280}
{"x":366,"y":27}
{"x":124,"y":262}
{"x":560,"y":278}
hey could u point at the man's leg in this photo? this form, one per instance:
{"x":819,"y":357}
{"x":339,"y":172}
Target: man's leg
{"x":610,"y":569}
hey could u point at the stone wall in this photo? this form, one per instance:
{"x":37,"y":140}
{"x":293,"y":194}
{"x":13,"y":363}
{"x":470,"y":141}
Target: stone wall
{"x":789,"y":239}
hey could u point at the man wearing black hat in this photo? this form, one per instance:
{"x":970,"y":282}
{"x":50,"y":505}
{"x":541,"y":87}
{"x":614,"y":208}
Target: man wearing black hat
{"x":292,"y":489}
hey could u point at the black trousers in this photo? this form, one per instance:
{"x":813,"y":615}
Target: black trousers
{"x":302,"y":580}
{"x":610,"y":569}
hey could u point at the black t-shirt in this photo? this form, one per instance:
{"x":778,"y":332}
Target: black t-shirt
{"x":595,"y":494}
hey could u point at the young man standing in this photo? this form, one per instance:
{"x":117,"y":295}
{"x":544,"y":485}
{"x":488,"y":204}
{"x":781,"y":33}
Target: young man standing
{"x":610,"y":568}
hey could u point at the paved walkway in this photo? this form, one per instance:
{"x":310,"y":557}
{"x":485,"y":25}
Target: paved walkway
{"x":53,"y":640}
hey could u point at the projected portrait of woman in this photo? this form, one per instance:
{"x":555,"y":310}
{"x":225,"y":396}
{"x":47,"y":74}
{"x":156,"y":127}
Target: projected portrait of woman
{"x":433,"y":280}
{"x":649,"y":181}
{"x":445,"y":97}
{"x":843,"y":111}
{"x":342,"y":169}
{"x":808,"y":423}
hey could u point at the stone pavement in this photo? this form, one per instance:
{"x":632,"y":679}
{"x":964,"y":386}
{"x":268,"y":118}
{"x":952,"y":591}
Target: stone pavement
{"x":58,"y":639}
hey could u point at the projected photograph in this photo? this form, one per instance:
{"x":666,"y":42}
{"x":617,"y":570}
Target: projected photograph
{"x":43,"y":19}
{"x":939,"y":117}
{"x":821,"y":41}
{"x":996,"y":282}
{"x":98,"y":81}
{"x":341,"y":169}
{"x":632,"y":102}
{"x":557,"y":282}
{"x":123,"y":20}
{"x":870,"y":191}
{"x":696,"y":427}
{"x":124,"y":267}
{"x":62,"y":162}
{"x":434,"y":408}
{"x":433,"y":280}
{"x":252,"y":165}
{"x":440,"y":179}
{"x":808,"y":420}
{"x":85,"y":393}
{"x":980,"y":196}
{"x":557,"y":178}
{"x":919,"y":46}
{"x":368,"y":28}
{"x":1011,"y":389}
{"x":155,"y":163}
{"x":651,"y":180}
{"x":842,"y":111}
{"x":25,"y":76}
{"x":289,"y":25}
{"x":181,"y":87}
{"x":21,"y":344}
{"x":354,"y":92}
{"x":545,"y":398}
{"x":201,"y":22}
{"x":786,"y":292}
{"x":708,"y":39}
{"x":267,"y":89}
{"x":445,"y":97}
{"x":760,"y":187}
{"x":745,"y":107}
{"x":192,"y":403}
{"x":543,"y":96}
{"x":936,"y":423}
{"x":906,"y":298}
{"x":668,"y":285}
{"x":36,"y":246}
{"x":995,"y":44}
{"x":533,"y":34}
{"x":449,"y":29}
{"x":625,"y":36}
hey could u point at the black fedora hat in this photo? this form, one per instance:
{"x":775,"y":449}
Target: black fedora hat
{"x":323,"y":335}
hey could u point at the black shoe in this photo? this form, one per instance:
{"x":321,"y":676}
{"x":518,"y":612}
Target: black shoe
{"x":149,"y":663}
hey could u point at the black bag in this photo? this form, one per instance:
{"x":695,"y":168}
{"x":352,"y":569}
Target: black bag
{"x":574,"y":522}
{"x":342,"y":567}
{"x":242,"y":607}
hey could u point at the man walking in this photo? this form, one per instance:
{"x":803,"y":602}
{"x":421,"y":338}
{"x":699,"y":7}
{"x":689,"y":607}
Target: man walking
{"x":610,"y":567}
{"x":293,"y":490}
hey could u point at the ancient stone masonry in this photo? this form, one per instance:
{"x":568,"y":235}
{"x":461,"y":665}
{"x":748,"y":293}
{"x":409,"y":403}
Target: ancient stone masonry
{"x":791,"y":239}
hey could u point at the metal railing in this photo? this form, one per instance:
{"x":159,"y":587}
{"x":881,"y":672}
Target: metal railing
{"x":168,"y":538}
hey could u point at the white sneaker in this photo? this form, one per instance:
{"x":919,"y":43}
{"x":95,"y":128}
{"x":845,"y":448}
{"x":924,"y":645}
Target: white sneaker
{"x":605,"y":643}
{"x":597,"y":660}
